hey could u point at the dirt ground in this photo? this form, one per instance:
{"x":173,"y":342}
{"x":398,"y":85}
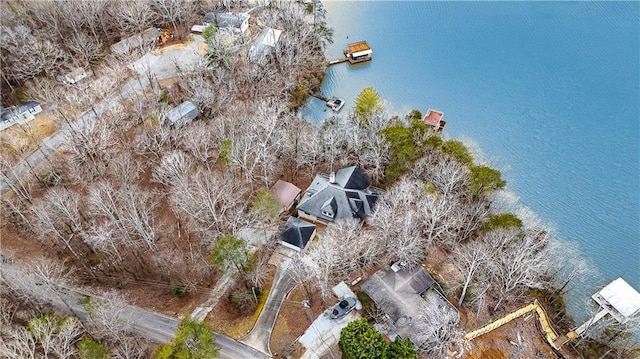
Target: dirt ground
{"x":22,"y":139}
{"x":229,"y":320}
{"x":294,"y":318}
{"x":522,"y":338}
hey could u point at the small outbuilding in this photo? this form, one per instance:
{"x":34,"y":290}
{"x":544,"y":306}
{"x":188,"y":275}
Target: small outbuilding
{"x":285,"y":193}
{"x":76,"y":76}
{"x":182,"y":115}
{"x":297,"y":234}
{"x":435,"y":119}
{"x":265,"y":43}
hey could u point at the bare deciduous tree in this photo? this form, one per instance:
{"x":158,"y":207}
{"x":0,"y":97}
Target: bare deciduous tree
{"x":174,"y":168}
{"x":470,"y":257}
{"x":395,"y":223}
{"x":27,"y":55}
{"x":57,"y":215}
{"x":209,"y":201}
{"x":201,"y":143}
{"x":132,"y":16}
{"x":110,"y":320}
{"x":174,"y":12}
{"x":85,"y":48}
{"x":20,"y":344}
{"x":519,"y":261}
{"x":332,"y":259}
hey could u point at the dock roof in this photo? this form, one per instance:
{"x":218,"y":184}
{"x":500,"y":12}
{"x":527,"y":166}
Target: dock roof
{"x":620,"y":299}
{"x":359,"y":46}
{"x":433,"y":117}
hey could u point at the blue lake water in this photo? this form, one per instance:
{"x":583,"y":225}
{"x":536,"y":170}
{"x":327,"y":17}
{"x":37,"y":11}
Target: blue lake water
{"x":547,"y":92}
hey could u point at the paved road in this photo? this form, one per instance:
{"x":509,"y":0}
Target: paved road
{"x":152,"y":326}
{"x":162,"y":66}
{"x":260,"y":335}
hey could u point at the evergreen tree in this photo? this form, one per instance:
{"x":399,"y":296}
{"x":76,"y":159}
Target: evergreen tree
{"x":193,"y":341}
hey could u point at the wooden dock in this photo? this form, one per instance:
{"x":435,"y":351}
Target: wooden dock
{"x":339,"y":61}
{"x":320,"y":96}
{"x":333,"y":103}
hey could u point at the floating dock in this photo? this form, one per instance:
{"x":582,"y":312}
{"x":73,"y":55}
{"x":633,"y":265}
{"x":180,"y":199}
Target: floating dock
{"x":334,"y":103}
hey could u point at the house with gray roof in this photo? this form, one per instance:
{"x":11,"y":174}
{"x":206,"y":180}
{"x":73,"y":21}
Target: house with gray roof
{"x":183,"y":114}
{"x":19,"y":114}
{"x":343,"y":195}
{"x":234,"y":23}
{"x":297,"y":234}
{"x":412,"y":302}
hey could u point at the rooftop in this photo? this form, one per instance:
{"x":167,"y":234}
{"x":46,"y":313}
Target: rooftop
{"x":407,"y":298}
{"x":347,"y":195}
{"x":182,"y":114}
{"x":620,"y":299}
{"x":285,"y":193}
{"x":433,"y":117}
{"x":297,"y":233}
{"x":359,"y":46}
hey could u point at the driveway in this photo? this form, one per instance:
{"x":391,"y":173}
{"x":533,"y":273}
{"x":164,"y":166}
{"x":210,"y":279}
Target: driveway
{"x":260,"y":335}
{"x":324,"y":331}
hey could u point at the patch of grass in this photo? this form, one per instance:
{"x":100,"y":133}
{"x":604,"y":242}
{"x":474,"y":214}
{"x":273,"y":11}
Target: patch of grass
{"x":178,"y":291}
{"x":150,"y":121}
{"x":261,"y":303}
{"x":90,"y":305}
{"x":21,"y":139}
{"x":240,"y":328}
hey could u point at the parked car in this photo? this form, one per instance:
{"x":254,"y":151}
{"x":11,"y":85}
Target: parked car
{"x":341,"y":309}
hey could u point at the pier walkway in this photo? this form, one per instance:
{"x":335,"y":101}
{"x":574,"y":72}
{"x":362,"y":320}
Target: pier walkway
{"x":339,"y":61}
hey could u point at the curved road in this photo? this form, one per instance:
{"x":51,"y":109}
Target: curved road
{"x":155,"y":327}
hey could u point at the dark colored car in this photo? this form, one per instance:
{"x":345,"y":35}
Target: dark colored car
{"x":341,"y":309}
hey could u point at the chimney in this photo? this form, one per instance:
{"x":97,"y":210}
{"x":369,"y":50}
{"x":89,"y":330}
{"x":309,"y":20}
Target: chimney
{"x":332,"y":177}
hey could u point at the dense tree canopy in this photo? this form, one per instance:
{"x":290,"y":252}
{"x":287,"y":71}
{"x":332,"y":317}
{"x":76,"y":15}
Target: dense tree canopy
{"x":193,"y":341}
{"x":485,"y":180}
{"x":458,"y":150}
{"x":502,"y":220}
{"x":90,"y":349}
{"x":230,"y":252}
{"x":360,"y":340}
